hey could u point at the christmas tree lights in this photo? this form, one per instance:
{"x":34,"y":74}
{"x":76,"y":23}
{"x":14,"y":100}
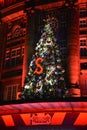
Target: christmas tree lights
{"x":45,"y":78}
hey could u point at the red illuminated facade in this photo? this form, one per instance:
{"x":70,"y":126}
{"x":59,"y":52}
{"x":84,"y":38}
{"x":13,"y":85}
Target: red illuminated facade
{"x":18,"y":25}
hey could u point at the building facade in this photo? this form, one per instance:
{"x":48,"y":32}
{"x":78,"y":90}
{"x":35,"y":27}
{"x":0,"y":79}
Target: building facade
{"x":20,"y":26}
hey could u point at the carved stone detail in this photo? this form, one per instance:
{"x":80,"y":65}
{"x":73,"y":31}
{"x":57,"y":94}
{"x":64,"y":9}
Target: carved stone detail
{"x":16,"y":28}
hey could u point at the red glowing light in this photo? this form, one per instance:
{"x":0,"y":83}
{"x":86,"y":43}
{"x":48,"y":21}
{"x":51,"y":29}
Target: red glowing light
{"x":8,"y":120}
{"x":26,"y":119}
{"x":58,"y":118}
{"x":82,"y":119}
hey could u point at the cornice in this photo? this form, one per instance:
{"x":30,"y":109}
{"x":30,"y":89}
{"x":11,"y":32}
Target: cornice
{"x":12,"y":7}
{"x":13,"y":16}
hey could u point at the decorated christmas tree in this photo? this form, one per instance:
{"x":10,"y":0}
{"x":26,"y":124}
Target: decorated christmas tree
{"x":45,"y":78}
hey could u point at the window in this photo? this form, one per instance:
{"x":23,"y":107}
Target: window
{"x":7,"y":55}
{"x":10,"y":92}
{"x":83,"y":42}
{"x":82,"y":32}
{"x":15,"y":52}
{"x":14,"y":57}
{"x":83,"y":65}
{"x":7,"y":58}
{"x":83,"y":52}
{"x":83,"y":46}
{"x":83,"y":23}
{"x":18,"y":51}
{"x":83,"y":12}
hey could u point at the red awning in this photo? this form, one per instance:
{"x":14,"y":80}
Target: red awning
{"x":45,"y":113}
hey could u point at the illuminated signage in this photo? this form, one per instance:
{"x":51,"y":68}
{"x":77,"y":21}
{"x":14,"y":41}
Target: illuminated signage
{"x":39,"y":69}
{"x":41,"y":118}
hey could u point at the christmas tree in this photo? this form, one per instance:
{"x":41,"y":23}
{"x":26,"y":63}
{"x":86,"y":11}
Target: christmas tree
{"x":45,"y":78}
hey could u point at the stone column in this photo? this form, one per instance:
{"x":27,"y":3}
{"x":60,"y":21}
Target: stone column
{"x":26,"y":51}
{"x":28,"y":47}
{"x":73,"y":47}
